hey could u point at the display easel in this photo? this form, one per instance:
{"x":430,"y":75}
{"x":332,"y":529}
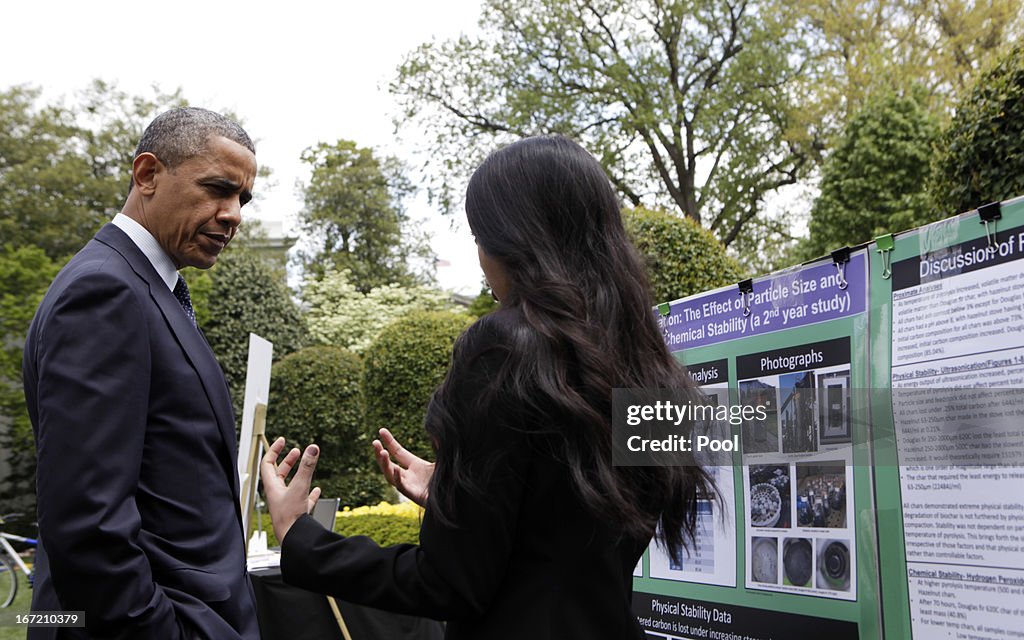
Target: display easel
{"x":257,"y":445}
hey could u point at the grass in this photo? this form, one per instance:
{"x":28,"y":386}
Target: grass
{"x":22,"y":603}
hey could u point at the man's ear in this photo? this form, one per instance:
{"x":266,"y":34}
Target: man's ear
{"x":144,"y":171}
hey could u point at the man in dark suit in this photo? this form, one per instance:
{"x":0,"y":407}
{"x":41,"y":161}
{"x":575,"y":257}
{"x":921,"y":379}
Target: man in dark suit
{"x":139,"y":519}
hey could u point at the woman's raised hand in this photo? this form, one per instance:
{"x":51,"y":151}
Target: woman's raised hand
{"x":287,"y":502}
{"x":405,"y":471}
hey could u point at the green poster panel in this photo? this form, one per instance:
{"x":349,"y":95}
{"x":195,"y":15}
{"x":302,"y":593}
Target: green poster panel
{"x":790,"y":549}
{"x":947,"y":321}
{"x":882,"y":495}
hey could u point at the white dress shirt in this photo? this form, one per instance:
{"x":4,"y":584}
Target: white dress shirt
{"x":148,"y":245}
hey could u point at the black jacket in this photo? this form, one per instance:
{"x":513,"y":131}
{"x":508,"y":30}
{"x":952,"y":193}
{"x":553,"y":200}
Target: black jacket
{"x":525,"y":559}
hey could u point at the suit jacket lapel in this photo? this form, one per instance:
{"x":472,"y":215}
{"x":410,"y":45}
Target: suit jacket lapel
{"x":196,"y":349}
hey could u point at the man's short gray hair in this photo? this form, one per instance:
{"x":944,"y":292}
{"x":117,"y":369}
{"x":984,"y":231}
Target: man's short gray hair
{"x":180,"y":134}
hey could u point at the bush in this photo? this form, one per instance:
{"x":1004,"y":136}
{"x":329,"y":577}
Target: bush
{"x":315,"y":396}
{"x":386,"y":524}
{"x":982,"y":158}
{"x":682,"y":257}
{"x":874,"y":181}
{"x":403,"y":367}
{"x":245,"y":296}
{"x":341,"y":315}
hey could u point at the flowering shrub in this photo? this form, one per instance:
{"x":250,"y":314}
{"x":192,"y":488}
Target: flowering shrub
{"x":341,"y":315}
{"x":386,"y":524}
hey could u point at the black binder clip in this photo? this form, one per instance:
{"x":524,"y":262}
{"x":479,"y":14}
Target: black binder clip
{"x":988,"y":214}
{"x":746,"y":290}
{"x":841,"y":257}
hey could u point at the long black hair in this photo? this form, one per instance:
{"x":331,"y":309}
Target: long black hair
{"x":583,"y":324}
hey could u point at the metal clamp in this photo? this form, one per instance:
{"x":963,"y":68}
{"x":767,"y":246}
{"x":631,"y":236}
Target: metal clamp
{"x":746,"y":291}
{"x":884,"y":245}
{"x":841,"y":257}
{"x":988,"y":214}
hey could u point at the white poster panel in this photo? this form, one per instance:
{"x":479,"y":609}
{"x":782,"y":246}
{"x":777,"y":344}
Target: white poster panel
{"x":257,"y":391}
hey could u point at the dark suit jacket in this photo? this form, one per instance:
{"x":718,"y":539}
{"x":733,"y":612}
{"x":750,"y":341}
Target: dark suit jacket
{"x":139,"y":521}
{"x":524,"y":559}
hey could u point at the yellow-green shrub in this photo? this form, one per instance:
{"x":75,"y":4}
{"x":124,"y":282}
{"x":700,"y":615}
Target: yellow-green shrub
{"x":387,"y":524}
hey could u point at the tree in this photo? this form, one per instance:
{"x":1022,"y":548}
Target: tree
{"x":355,"y":219}
{"x":64,"y":170}
{"x":982,"y":157}
{"x":878,"y":46}
{"x":688,"y":104}
{"x":403,"y":367}
{"x":244,"y":297}
{"x":341,"y":315}
{"x":25,"y":274}
{"x":315,"y":396}
{"x":682,"y":258}
{"x":874,"y":181}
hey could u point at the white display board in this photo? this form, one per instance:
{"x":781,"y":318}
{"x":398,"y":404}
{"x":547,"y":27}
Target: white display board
{"x":257,"y":391}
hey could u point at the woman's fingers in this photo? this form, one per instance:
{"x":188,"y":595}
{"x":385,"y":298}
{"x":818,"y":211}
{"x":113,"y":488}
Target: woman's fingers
{"x":304,"y":474}
{"x":387,"y":467}
{"x":314,"y":495}
{"x":401,"y":455}
{"x":285,"y":467}
{"x":268,"y":466}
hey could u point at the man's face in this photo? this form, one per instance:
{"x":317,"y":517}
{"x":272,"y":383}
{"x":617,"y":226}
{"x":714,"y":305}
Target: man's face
{"x":195,"y":208}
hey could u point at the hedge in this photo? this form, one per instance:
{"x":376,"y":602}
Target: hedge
{"x":403,"y":367}
{"x":982,"y":158}
{"x":315,"y":396}
{"x":682,"y":258}
{"x":387,"y":524}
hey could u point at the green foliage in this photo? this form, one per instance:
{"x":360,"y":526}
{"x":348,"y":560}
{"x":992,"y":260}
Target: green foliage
{"x":340,"y":314}
{"x":874,"y":181}
{"x":315,"y":396}
{"x":403,"y":367}
{"x":688,"y":104}
{"x":383,"y":529}
{"x":483,"y":304}
{"x":64,"y":171}
{"x":386,"y":524}
{"x":354,"y":217}
{"x":682,"y":257}
{"x":22,"y":604}
{"x":25,"y":274}
{"x":244,"y":296}
{"x":878,"y":46}
{"x":982,"y":151}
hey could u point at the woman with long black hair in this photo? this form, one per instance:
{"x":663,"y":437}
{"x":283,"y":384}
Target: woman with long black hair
{"x":529,"y":529}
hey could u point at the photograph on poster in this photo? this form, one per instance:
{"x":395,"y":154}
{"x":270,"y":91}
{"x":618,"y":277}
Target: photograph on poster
{"x":834,"y":407}
{"x":760,"y":436}
{"x":796,"y":416}
{"x":769,"y":496}
{"x":833,"y":558}
{"x":821,"y":495}
{"x":764,"y":560}
{"x":797,"y":562}
{"x":800,"y":517}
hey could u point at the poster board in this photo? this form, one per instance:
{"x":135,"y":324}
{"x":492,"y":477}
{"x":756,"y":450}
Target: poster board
{"x":848,"y":546}
{"x":257,"y":392}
